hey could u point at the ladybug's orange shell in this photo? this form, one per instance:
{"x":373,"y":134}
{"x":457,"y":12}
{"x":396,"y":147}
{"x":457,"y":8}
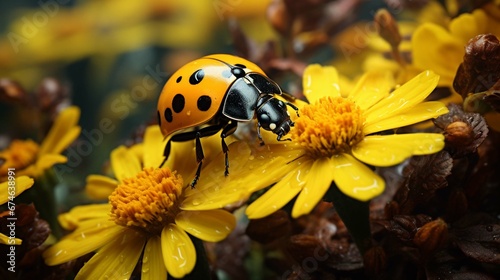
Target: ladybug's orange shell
{"x":186,"y":111}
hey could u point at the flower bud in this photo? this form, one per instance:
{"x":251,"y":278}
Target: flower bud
{"x":12,"y":92}
{"x":388,"y":28}
{"x":279,"y":17}
{"x":458,"y":134}
{"x":431,"y":236}
{"x":480,"y":69}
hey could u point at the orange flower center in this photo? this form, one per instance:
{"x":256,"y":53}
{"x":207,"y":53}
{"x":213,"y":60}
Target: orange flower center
{"x":19,"y":155}
{"x":330,"y":126}
{"x":148,"y":201}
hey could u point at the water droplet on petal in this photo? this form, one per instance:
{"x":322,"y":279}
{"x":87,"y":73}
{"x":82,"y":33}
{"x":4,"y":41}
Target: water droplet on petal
{"x":196,"y":202}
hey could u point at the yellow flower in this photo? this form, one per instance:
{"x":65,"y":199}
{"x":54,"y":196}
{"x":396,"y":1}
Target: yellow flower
{"x":9,"y":190}
{"x":144,"y":217}
{"x":447,"y":49}
{"x":30,"y":159}
{"x":333,"y":138}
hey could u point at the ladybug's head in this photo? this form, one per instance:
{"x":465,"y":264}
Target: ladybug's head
{"x":272,"y":115}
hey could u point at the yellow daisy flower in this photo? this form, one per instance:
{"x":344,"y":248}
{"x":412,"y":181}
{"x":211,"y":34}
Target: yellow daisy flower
{"x":144,"y":217}
{"x":9,"y":190}
{"x":334,"y":138}
{"x":447,"y":50}
{"x":31,"y":159}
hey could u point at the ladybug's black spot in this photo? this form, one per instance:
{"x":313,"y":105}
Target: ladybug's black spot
{"x":168,"y":115}
{"x":159,"y":118}
{"x":178,"y":103}
{"x":204,"y":103}
{"x":196,"y":77}
{"x":238,"y":72}
{"x":226,"y":74}
{"x":178,"y":79}
{"x":240,"y":65}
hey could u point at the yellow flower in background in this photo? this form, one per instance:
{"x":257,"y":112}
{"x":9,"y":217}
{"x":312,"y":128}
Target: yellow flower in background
{"x":11,"y":189}
{"x":144,"y":217}
{"x":333,"y":139}
{"x":32,"y":159}
{"x":442,"y":49}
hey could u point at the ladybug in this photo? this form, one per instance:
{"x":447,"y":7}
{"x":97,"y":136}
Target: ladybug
{"x":214,"y":93}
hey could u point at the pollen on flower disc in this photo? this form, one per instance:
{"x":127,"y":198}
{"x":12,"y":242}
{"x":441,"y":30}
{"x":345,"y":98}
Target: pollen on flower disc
{"x":148,"y":201}
{"x":330,"y":126}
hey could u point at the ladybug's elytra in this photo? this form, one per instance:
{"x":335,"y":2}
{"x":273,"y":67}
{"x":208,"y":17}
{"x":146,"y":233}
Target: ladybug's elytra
{"x":214,"y":93}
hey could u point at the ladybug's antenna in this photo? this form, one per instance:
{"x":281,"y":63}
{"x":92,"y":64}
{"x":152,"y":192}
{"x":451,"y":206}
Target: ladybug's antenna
{"x":228,"y":65}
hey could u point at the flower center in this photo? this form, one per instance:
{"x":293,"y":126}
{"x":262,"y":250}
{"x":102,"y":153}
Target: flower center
{"x":148,"y":201}
{"x":330,"y":126}
{"x":19,"y":155}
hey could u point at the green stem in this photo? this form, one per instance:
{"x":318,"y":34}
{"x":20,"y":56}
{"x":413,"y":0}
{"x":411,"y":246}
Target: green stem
{"x":354,"y":214}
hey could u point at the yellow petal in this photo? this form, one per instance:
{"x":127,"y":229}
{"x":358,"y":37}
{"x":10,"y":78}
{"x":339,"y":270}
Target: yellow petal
{"x":317,"y":183}
{"x":183,"y":154}
{"x":153,"y":266}
{"x":434,"y":48}
{"x":420,"y":112}
{"x":319,"y":81}
{"x":4,"y":239}
{"x":65,"y":122}
{"x":124,"y":163}
{"x":67,"y":139}
{"x":372,"y":87}
{"x":72,"y":219}
{"x":210,"y":225}
{"x":100,"y":187}
{"x":403,"y":98}
{"x":13,"y":188}
{"x":280,"y":194}
{"x":115,"y":260}
{"x":46,"y":161}
{"x":178,"y":251}
{"x":467,"y":26}
{"x":218,"y":191}
{"x":355,"y":179}
{"x":388,"y":150}
{"x":153,"y":146}
{"x":89,"y":236}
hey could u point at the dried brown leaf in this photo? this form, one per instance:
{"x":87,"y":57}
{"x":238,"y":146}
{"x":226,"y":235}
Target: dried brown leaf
{"x":480,"y":242}
{"x":404,"y":226}
{"x":423,"y":176}
{"x":446,"y":265}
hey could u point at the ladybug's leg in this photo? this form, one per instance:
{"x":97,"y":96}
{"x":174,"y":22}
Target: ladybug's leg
{"x":186,"y":136}
{"x":228,"y":130}
{"x":166,"y":153}
{"x":259,"y":135}
{"x":199,"y":159}
{"x":293,"y":107}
